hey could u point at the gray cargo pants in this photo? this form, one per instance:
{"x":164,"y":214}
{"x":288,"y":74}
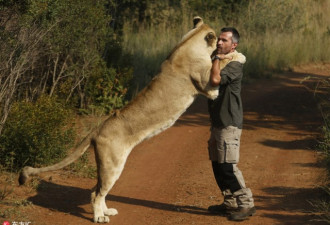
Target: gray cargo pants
{"x":224,"y":145}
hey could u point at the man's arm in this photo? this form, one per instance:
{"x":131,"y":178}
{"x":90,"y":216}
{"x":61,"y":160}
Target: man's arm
{"x":215,"y":77}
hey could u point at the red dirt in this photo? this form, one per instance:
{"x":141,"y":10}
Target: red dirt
{"x":168,"y":179}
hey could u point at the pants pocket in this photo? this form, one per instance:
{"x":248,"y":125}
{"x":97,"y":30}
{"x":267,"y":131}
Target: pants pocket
{"x":231,"y":151}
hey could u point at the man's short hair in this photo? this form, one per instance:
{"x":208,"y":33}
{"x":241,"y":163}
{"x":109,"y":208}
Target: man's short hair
{"x":235,"y":37}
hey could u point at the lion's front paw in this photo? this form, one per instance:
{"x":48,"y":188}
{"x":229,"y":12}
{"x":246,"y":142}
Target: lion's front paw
{"x":110,"y":212}
{"x":101,"y":219}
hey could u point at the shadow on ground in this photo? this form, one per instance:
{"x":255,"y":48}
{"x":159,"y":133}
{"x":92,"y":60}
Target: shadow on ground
{"x":62,"y":198}
{"x":294,"y":202}
{"x":291,"y":145}
{"x":67,"y":199}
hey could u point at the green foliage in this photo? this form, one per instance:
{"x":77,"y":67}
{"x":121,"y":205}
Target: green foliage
{"x":21,"y":5}
{"x":92,"y":52}
{"x":71,"y":32}
{"x":36,"y":134}
{"x":322,"y":206}
{"x":4,"y":192}
{"x":107,"y":91}
{"x":83,"y":168}
{"x":67,"y":46}
{"x":324,"y":145}
{"x":76,"y":39}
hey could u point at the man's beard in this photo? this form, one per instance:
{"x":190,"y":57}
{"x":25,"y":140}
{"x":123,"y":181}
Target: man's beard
{"x":223,"y":51}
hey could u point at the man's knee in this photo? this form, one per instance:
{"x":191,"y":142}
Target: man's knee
{"x":229,"y":171}
{"x":223,"y":169}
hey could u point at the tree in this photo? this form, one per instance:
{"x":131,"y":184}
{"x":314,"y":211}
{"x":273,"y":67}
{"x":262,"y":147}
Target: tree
{"x":55,"y":48}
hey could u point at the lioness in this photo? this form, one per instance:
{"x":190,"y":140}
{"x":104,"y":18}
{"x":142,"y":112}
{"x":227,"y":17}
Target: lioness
{"x":184,"y":74}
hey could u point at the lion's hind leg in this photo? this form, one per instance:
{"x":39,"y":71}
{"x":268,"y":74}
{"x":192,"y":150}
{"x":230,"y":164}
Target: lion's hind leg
{"x":108,"y":174}
{"x":99,"y":216}
{"x":101,"y":211}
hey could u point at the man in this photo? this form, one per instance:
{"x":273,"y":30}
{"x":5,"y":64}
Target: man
{"x":226,"y":115}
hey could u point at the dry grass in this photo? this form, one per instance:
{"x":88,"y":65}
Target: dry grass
{"x":276,"y":35}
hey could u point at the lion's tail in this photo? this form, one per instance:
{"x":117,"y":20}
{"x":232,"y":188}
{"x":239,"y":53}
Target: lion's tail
{"x":79,"y":151}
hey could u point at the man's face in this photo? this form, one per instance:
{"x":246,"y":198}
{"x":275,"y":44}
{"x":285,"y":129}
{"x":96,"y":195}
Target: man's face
{"x":225,"y":43}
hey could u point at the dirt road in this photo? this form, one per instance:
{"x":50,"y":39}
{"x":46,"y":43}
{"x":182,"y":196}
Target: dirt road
{"x":168,"y":179}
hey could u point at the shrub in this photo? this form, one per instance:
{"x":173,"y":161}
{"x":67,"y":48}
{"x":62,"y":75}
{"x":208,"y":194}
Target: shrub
{"x":36,"y":134}
{"x":324,"y":146}
{"x":106,"y":92}
{"x":323,"y":95}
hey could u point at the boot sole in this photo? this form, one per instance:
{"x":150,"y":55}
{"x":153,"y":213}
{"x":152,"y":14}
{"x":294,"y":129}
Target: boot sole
{"x":241,"y":219}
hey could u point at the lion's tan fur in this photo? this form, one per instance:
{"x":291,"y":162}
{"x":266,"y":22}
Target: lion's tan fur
{"x":184,"y":74}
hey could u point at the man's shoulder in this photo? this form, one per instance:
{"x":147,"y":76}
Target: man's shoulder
{"x":234,"y":66}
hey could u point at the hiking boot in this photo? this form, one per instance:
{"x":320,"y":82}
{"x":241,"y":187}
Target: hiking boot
{"x":242,"y":214}
{"x":220,"y":209}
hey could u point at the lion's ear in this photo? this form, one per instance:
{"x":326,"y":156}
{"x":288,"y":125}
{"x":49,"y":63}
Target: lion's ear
{"x":210,"y":38}
{"x":197,"y":21}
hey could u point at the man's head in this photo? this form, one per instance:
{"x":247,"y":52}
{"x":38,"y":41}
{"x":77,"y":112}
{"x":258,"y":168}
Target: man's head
{"x":228,"y":40}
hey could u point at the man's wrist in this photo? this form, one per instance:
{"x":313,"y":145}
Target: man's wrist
{"x":216,"y":58}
